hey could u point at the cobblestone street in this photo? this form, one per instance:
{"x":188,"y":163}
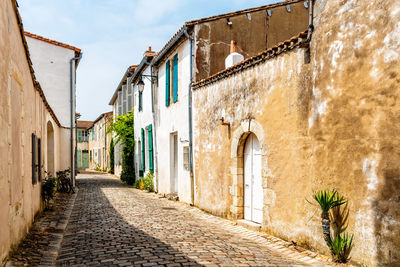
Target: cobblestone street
{"x":115,"y":225}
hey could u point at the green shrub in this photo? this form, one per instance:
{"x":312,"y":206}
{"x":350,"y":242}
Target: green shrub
{"x":137,"y":184}
{"x":48,"y":190}
{"x":112,"y":156}
{"x":148,"y":182}
{"x":341,"y":247}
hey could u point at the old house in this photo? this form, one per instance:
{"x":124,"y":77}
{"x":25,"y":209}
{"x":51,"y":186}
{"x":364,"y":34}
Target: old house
{"x":122,"y":102}
{"x":55,"y":65}
{"x":32,"y":130}
{"x":318,"y":111}
{"x":195,"y":52}
{"x":82,"y":138}
{"x":99,"y":142}
{"x":142,"y":83}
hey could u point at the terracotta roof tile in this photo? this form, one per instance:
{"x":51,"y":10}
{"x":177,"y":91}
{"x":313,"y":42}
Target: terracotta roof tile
{"x":84,"y":124}
{"x":296,"y":41}
{"x":41,"y":38}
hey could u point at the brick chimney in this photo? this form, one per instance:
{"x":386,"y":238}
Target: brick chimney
{"x":149,"y":53}
{"x":234,"y":57}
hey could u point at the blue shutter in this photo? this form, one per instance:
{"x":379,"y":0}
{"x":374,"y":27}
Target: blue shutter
{"x":167,"y":83}
{"x":150,"y":140}
{"x":143,"y":152}
{"x":175,"y":75}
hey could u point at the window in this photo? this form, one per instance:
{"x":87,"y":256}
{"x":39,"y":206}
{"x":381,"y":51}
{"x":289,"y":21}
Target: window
{"x":84,"y":136}
{"x":186,"y":158}
{"x":175,"y":79}
{"x":150,"y":144}
{"x":167,"y":83}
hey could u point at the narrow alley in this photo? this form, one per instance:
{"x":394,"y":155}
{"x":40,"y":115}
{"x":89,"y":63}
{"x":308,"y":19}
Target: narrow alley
{"x":112,"y":224}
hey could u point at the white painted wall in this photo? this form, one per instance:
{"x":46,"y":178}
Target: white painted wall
{"x":142,"y":119}
{"x":174,"y":119}
{"x":52,"y":68}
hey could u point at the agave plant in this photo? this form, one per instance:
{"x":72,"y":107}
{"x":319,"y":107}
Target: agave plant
{"x":341,"y":247}
{"x":327,"y":200}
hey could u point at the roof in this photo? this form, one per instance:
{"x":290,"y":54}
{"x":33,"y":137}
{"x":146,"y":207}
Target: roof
{"x":84,"y":124}
{"x":189,"y":25}
{"x":105,"y":114}
{"x":240,"y":12}
{"x":147,"y":58}
{"x":35,"y":82}
{"x":128,"y":73}
{"x":50,"y":41}
{"x":299,"y":40}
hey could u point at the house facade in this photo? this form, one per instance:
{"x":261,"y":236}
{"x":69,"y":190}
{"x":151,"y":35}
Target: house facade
{"x":99,"y":142}
{"x":195,"y":52}
{"x":32,"y":134}
{"x":82,"y":139}
{"x":142,"y":83}
{"x":308,"y":115}
{"x":55,"y":65}
{"x":122,"y":103}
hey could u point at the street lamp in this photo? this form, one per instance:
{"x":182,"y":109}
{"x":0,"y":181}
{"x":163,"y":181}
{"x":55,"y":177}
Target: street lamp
{"x":140,"y":85}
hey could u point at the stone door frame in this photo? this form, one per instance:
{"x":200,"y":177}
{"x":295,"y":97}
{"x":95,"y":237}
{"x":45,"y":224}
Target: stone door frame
{"x":237,"y":168}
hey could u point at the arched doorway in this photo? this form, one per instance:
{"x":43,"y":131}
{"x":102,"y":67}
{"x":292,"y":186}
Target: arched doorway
{"x":253,"y":191}
{"x":50,"y":149}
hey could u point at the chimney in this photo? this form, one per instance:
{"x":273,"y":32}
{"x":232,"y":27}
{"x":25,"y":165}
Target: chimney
{"x":234,"y":57}
{"x":148,"y":53}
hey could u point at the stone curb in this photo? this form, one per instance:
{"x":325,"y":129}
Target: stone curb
{"x":50,"y":257}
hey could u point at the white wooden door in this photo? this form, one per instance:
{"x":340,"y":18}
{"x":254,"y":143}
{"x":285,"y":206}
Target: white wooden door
{"x":253,"y":193}
{"x":174,"y":163}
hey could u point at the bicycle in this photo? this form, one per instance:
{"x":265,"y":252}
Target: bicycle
{"x":63,"y":182}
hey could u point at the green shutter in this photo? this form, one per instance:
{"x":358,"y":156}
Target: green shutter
{"x":151,"y":164}
{"x":79,"y":154}
{"x":140,"y":101}
{"x":143,"y":152}
{"x":175,"y":75}
{"x":167,"y":83}
{"x":79,"y":136}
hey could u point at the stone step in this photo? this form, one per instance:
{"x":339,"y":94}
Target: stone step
{"x":249,"y":225}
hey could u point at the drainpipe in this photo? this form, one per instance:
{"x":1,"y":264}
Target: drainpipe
{"x":72,"y":115}
{"x":310,"y":20}
{"x":155,"y":157}
{"x":190,"y":118}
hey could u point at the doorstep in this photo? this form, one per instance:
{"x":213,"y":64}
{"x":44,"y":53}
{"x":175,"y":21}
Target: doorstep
{"x":249,"y":225}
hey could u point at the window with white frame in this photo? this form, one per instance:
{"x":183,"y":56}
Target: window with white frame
{"x":186,"y":158}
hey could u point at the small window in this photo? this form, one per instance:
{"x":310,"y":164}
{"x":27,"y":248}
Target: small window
{"x":186,"y":158}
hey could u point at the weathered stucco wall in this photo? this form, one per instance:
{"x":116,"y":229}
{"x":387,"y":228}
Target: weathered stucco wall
{"x":22,"y":112}
{"x":331,"y":123}
{"x":213,"y":38}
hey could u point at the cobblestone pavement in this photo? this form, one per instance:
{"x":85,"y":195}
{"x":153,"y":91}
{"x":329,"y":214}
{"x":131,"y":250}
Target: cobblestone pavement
{"x":40,"y":246}
{"x":115,"y":225}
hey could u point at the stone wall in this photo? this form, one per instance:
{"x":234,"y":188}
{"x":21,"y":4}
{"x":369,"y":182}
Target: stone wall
{"x":22,"y":112}
{"x":331,"y":123}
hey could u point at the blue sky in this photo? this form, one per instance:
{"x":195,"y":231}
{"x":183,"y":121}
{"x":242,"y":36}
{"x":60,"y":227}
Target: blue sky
{"x":113,"y":34}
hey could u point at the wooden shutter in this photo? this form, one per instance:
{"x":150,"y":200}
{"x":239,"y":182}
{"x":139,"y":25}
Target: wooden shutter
{"x":175,"y":75}
{"x":39,"y":142}
{"x":143,"y":152}
{"x":79,"y":136}
{"x":33,"y":158}
{"x":150,"y":133}
{"x":140,"y":101}
{"x":167,"y":83}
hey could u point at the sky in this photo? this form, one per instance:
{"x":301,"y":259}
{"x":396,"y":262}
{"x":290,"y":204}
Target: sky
{"x":113,"y":34}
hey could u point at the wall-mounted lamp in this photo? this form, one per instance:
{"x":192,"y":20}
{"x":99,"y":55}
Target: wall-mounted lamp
{"x":228,"y":21}
{"x":225,"y":123}
{"x":140,"y":83}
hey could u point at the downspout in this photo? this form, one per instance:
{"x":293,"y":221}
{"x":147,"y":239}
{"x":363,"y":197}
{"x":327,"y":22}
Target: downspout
{"x":190,"y":118}
{"x":154,"y":127}
{"x":72,"y":116}
{"x":307,"y":56}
